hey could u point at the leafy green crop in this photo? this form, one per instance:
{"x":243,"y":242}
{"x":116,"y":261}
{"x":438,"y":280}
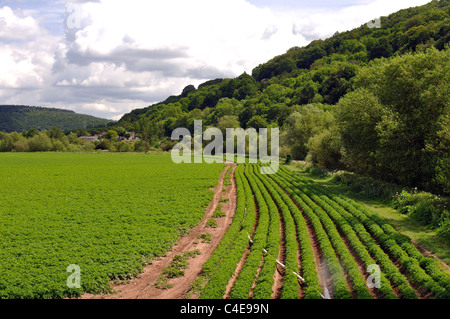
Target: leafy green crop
{"x":107,"y":213}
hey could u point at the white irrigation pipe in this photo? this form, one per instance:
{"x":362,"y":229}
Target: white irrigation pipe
{"x":327,"y":294}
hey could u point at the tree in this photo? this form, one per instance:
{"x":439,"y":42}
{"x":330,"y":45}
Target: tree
{"x":40,"y":143}
{"x":257,"y":122}
{"x":397,"y":133}
{"x":352,"y":46}
{"x":380,"y":48}
{"x":246,"y":87}
{"x":228,"y":121}
{"x":443,"y":163}
{"x":308,"y":56}
{"x":338,"y":83}
{"x":225,"y":107}
{"x":324,"y":149}
{"x":55,"y":133}
{"x":188,"y":89}
{"x":302,"y":125}
{"x":111,"y":134}
{"x":30,"y":133}
{"x":358,"y":115}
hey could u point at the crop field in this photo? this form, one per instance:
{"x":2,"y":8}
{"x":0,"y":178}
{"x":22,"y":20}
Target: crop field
{"x":113,"y":214}
{"x":292,"y":239}
{"x":109,"y":214}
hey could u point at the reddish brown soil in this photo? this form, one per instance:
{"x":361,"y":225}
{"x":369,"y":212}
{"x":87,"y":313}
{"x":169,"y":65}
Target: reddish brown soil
{"x":143,"y":287}
{"x":279,"y":274}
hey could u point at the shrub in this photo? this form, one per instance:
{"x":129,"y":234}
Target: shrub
{"x":427,"y":208}
{"x":206,"y":237}
{"x":211,"y":223}
{"x":40,"y":143}
{"x":218,"y":213}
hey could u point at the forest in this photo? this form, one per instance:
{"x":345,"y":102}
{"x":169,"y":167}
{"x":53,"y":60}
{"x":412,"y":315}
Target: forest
{"x":17,"y":118}
{"x":371,"y":100}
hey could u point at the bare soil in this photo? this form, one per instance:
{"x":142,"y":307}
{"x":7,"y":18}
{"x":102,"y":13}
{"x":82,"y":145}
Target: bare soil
{"x":143,"y":286}
{"x":279,"y":274}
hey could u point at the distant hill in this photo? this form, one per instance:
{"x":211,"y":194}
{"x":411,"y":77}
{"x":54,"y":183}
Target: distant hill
{"x":16,"y":118}
{"x":322,"y":71}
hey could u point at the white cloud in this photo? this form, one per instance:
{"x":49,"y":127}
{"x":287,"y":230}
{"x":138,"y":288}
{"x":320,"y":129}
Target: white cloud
{"x":26,"y":53}
{"x":151,"y":49}
{"x":117,"y":55}
{"x":322,"y":23}
{"x":14,"y":27}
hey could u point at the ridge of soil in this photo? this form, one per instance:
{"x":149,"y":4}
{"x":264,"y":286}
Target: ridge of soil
{"x":142,"y":287}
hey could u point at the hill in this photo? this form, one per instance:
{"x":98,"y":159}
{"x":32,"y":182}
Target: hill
{"x":14,"y":118}
{"x":323,"y":70}
{"x":314,"y":93}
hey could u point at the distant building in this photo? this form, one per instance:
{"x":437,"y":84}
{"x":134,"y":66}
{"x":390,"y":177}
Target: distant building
{"x":94,"y":138}
{"x":97,"y":137}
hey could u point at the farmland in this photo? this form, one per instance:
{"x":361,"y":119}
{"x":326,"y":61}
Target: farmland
{"x":113,"y":215}
{"x":110,"y":214}
{"x":294,"y":239}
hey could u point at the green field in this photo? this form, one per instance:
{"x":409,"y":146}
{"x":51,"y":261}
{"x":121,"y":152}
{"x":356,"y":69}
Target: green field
{"x":326,"y":243}
{"x":107,"y":213}
{"x":110,"y":214}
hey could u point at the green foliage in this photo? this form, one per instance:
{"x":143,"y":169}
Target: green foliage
{"x":77,"y":209}
{"x":206,"y":238}
{"x":357,"y":116}
{"x":303,"y":125}
{"x":19,"y":118}
{"x":218,"y":213}
{"x":325,"y":149}
{"x":391,"y":124}
{"x":427,"y":208}
{"x":211,"y":223}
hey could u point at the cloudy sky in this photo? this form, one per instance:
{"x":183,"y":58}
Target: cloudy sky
{"x":107,"y":57}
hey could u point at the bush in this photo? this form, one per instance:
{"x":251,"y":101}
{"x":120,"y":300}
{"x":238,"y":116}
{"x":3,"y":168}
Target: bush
{"x":124,"y":147}
{"x":428,"y":209}
{"x":58,"y":146}
{"x":444,"y":231}
{"x":211,"y":223}
{"x":21,"y":146}
{"x":325,"y":150}
{"x":40,"y":143}
{"x":141,"y":146}
{"x":366,"y":185}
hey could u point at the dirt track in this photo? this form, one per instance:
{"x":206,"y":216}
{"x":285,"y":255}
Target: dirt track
{"x":143,"y":287}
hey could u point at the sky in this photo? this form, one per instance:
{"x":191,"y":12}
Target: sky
{"x":108,"y":57}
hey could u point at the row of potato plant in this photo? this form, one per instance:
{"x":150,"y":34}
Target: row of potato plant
{"x":386,"y":290}
{"x":243,"y":285}
{"x":311,"y":287}
{"x":339,"y":283}
{"x":290,"y":288}
{"x":429,"y":279}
